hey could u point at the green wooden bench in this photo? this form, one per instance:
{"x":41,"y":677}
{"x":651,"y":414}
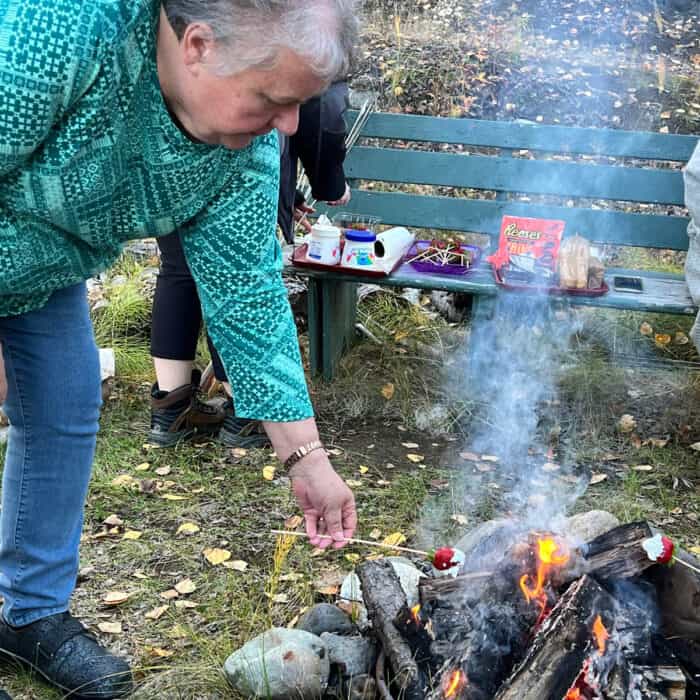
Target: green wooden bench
{"x":571,"y":177}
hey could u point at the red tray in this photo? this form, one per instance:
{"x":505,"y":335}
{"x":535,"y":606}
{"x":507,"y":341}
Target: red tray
{"x":300,"y":260}
{"x":557,"y":291}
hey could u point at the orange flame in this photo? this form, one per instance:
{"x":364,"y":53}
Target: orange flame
{"x":549,"y":554}
{"x":601,"y":635}
{"x":573,"y":694}
{"x":415,"y":614}
{"x":454,"y":683}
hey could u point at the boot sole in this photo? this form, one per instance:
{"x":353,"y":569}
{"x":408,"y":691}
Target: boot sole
{"x":169,"y":439}
{"x":75,"y":693}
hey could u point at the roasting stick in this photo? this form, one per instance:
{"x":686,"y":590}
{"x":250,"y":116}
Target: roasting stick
{"x":685,"y":563}
{"x":355,"y":541}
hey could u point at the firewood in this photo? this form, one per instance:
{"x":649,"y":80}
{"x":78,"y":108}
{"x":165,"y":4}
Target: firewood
{"x":384,"y":599}
{"x":618,"y":553}
{"x":561,"y":646}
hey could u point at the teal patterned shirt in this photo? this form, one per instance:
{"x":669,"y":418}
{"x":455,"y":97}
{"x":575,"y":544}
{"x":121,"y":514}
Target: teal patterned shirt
{"x":90,"y":158}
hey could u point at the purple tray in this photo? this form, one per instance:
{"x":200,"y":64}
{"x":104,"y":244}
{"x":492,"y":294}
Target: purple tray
{"x":437,"y":269}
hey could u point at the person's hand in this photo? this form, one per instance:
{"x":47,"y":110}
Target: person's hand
{"x":325,"y":499}
{"x":347,"y":195}
{"x":301,"y":216}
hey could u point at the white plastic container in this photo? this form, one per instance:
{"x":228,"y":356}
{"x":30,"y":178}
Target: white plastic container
{"x":324,"y":243}
{"x":359,"y":249}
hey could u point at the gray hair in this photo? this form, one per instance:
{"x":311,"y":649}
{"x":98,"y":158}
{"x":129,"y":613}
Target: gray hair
{"x":252,"y":32}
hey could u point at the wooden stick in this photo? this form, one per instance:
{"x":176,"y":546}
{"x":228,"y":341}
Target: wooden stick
{"x":354,"y":541}
{"x":685,"y":563}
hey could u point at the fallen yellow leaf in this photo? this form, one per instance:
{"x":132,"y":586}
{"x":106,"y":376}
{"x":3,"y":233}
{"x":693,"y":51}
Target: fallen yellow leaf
{"x":169,"y":594}
{"x":353,"y":483}
{"x":643,"y":468}
{"x":159,"y":653}
{"x":280,"y":598}
{"x":115,"y":597}
{"x":163,"y":471}
{"x":156,"y":612}
{"x":695,"y":550}
{"x":293,"y":522}
{"x":627,"y":423}
{"x":110,"y":627}
{"x":236,"y":565}
{"x":363,"y":469}
{"x":415,"y":458}
{"x":395,"y":539}
{"x":131,"y":535}
{"x":173,"y":497}
{"x":143,"y":467}
{"x":388,"y":391}
{"x":597,"y":477}
{"x":177,"y":632}
{"x":375,"y":534}
{"x":646,"y":329}
{"x":123,"y":480}
{"x":353,"y":558}
{"x":113,"y":521}
{"x":662,"y":339}
{"x":185,"y":604}
{"x":187,"y":529}
{"x":411,"y":445}
{"x":216,"y":556}
{"x":185,"y":586}
{"x":268,"y":473}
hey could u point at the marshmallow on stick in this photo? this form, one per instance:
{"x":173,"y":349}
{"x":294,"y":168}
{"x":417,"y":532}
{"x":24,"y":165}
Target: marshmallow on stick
{"x":660,"y":548}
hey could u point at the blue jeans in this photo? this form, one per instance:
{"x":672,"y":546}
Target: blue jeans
{"x":53,"y":404}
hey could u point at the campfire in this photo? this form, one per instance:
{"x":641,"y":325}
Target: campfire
{"x":549,"y":621}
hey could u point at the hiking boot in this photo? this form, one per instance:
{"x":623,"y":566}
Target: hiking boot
{"x":241,"y":432}
{"x":180,"y":414}
{"x":67,"y":656}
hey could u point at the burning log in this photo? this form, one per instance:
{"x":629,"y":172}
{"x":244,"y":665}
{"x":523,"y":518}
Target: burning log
{"x":559,"y":651}
{"x":468,"y":585}
{"x":385,"y":599}
{"x":618,"y":553}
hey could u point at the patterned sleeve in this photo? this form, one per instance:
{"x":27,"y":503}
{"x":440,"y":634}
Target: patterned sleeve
{"x":45,"y":65}
{"x":236,"y":261}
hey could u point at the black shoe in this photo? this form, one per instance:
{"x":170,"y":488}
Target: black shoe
{"x":180,"y":414}
{"x":67,"y":656}
{"x":241,"y":432}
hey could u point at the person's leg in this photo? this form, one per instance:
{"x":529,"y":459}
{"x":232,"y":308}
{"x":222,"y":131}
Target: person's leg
{"x":53,"y":405}
{"x":176,"y":412}
{"x":176,"y":318}
{"x":235,"y":432}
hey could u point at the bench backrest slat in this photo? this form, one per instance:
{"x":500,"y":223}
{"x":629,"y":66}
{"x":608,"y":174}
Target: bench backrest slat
{"x":484,"y":216}
{"x":517,"y":175}
{"x":535,"y":137}
{"x":628,"y":185}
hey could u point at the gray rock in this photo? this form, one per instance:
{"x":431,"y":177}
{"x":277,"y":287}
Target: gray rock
{"x":486,"y":540}
{"x":584,"y":527}
{"x":354,"y":656}
{"x":326,"y":618}
{"x":281,"y":664}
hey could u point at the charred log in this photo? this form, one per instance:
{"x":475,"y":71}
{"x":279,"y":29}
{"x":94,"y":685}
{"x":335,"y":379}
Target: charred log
{"x":560,"y":649}
{"x":384,"y":599}
{"x":618,"y":553}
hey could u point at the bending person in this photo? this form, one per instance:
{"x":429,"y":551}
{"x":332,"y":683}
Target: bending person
{"x":177,"y":413}
{"x":128,"y":119}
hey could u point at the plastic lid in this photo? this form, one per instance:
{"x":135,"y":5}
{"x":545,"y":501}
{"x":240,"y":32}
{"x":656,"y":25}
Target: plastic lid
{"x":362,"y":235}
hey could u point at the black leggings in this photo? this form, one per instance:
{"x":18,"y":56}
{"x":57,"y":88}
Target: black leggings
{"x":177,"y":313}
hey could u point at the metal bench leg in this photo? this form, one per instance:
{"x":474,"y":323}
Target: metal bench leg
{"x":483,"y":309}
{"x":332,"y":313}
{"x":339,"y":309}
